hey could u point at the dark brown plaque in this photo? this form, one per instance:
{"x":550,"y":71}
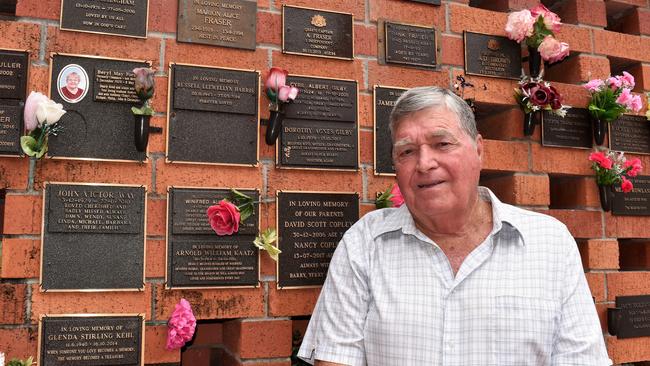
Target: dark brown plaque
{"x":631,"y":317}
{"x":490,"y":55}
{"x":630,"y":134}
{"x":316,"y":32}
{"x":99,"y":123}
{"x":11,"y":127}
{"x":572,"y":130}
{"x":91,"y":340}
{"x":384,"y":98}
{"x":210,"y":110}
{"x":410,"y":44}
{"x":320,"y":129}
{"x":93,"y":237}
{"x":635,"y":203}
{"x":432,"y":2}
{"x":13,"y":74}
{"x":118,"y":17}
{"x":230,"y":23}
{"x":310,"y":226}
{"x":196,"y":255}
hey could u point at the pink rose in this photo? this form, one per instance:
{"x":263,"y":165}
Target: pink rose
{"x":614,"y":83}
{"x":287,"y":93}
{"x":594,"y":85}
{"x":626,"y":185}
{"x":627,"y":79}
{"x":625,"y":97}
{"x":144,"y":83}
{"x":276,"y":79}
{"x":520,"y":25}
{"x":224,"y":218}
{"x":31,"y":105}
{"x":181,"y":325}
{"x":551,"y":20}
{"x":293,"y":93}
{"x":635,"y":167}
{"x":601,"y":159}
{"x":397,"y":199}
{"x":553,"y":50}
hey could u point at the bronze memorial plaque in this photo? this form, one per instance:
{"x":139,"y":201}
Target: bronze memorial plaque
{"x":91,"y":340}
{"x":574,"y":130}
{"x":226,"y":23}
{"x":630,"y":133}
{"x":320,"y":128}
{"x":209,"y":110}
{"x":316,"y":32}
{"x":11,"y":127}
{"x":196,"y":255}
{"x":635,"y":203}
{"x":630,"y":318}
{"x":310,"y":226}
{"x":13,"y":74}
{"x":99,"y":124}
{"x":384,"y":98}
{"x":93,"y":237}
{"x":490,"y":55}
{"x":117,"y":17}
{"x":410,"y":44}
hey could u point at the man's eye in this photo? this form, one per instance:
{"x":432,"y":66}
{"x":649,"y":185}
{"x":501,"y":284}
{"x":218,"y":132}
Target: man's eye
{"x":406,"y":152}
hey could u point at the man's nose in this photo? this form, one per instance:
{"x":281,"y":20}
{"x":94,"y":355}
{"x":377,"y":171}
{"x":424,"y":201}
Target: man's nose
{"x":427,"y":158}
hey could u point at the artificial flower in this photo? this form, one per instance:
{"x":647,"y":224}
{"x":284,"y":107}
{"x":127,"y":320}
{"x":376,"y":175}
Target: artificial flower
{"x":287,"y":93}
{"x":520,"y":25}
{"x":551,"y":20}
{"x":612,"y":97}
{"x":627,"y":79}
{"x":276,"y":79}
{"x":49,"y":112}
{"x":265,"y":241}
{"x":553,"y":50}
{"x":41,"y":116}
{"x":144,"y":89}
{"x":594,"y":85}
{"x":537,"y":27}
{"x":277,"y":89}
{"x":534,"y":94}
{"x":635,"y":167}
{"x":224,"y":218}
{"x":31,"y":105}
{"x":391,"y":197}
{"x":601,"y":159}
{"x":180,"y":326}
{"x":626,"y":185}
{"x":612,"y":168}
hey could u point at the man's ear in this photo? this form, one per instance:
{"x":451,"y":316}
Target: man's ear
{"x":479,"y":146}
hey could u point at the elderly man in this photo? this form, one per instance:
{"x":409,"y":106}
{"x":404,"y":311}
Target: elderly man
{"x":454,"y":277}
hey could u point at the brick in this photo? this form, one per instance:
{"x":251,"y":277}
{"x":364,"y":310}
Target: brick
{"x":366,"y":110}
{"x":205,"y":55}
{"x":155,"y":340}
{"x":163,"y":16}
{"x":404,"y":77}
{"x":578,"y":69}
{"x":46,"y":9}
{"x":155,"y":259}
{"x":521,"y":189}
{"x":465,"y":18}
{"x":12,"y":303}
{"x":20,"y":258}
{"x":574,"y":192}
{"x":601,"y":309}
{"x":303,"y":180}
{"x":267,"y":264}
{"x":208,"y":334}
{"x":293,"y":302}
{"x":578,"y":38}
{"x":103,"y":172}
{"x":626,"y":226}
{"x":212,"y":303}
{"x":269,"y":28}
{"x":641,"y":73}
{"x":91,"y":302}
{"x":591,"y":12}
{"x":599,"y":253}
{"x":635,"y":255}
{"x":201,"y":356}
{"x":21,"y":36}
{"x":259,"y":339}
{"x":619,"y":45}
{"x":506,"y":124}
{"x":366,"y":151}
{"x":505,"y":156}
{"x":316,"y":66}
{"x":627,"y":284}
{"x":508,"y":5}
{"x":365,"y":40}
{"x":22,"y":214}
{"x":365,"y":208}
{"x":408,"y":12}
{"x":452,"y":51}
{"x":356,"y":7}
{"x":560,"y":160}
{"x":14,"y":172}
{"x":156,"y":216}
{"x":38,"y":78}
{"x":596,"y":281}
{"x":573,"y":95}
{"x":488,"y":90}
{"x":19,"y":342}
{"x":628,"y":350}
{"x":581,"y":224}
{"x":205,"y":176}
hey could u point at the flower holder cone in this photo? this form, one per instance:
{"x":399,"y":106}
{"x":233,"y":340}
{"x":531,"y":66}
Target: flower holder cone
{"x":606,"y":194}
{"x":274,"y":127}
{"x":600,"y":130}
{"x":141,"y":132}
{"x":534,"y":62}
{"x":530,"y":120}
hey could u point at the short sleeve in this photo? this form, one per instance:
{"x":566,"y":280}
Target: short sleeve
{"x":335,"y":332}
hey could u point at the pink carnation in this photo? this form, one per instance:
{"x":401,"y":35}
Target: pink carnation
{"x":181,"y":325}
{"x":635,"y":167}
{"x":551,"y":20}
{"x":520,"y":25}
{"x":614,"y":83}
{"x":553,"y":50}
{"x":625,"y":98}
{"x":601,"y":159}
{"x":626,"y":185}
{"x":594,"y":85}
{"x":627,"y":80}
{"x":397,"y":197}
{"x":635,"y":103}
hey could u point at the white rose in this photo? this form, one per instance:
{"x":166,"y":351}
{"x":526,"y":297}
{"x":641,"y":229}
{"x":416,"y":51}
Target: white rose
{"x":49,"y":112}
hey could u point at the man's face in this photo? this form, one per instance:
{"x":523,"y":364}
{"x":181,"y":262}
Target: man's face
{"x":72,"y":81}
{"x":438,"y":165}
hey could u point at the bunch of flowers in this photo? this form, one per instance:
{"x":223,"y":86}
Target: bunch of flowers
{"x":391,"y":197}
{"x":613,"y":168}
{"x":41,"y":118}
{"x":612,"y":97}
{"x":534,"y":94}
{"x":180,"y":326}
{"x":144,"y":88}
{"x":537,"y":27}
{"x":277,"y":89}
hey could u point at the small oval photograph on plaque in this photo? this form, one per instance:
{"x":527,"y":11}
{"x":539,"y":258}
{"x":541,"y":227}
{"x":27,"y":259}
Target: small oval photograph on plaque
{"x":72,"y":83}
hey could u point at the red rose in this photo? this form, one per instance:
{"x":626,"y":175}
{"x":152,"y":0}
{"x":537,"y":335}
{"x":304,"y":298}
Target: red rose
{"x":555,"y":99}
{"x":224,"y":218}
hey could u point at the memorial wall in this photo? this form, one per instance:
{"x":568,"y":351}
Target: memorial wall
{"x":105,"y":230}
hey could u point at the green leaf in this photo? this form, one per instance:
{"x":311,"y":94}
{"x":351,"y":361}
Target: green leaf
{"x":265,"y":241}
{"x":30,"y":146}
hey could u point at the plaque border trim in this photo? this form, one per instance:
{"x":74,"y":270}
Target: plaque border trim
{"x":27,"y":73}
{"x":169,"y":93}
{"x":144,"y":239}
{"x":310,"y":55}
{"x":277,"y":229}
{"x":49,"y":94}
{"x":259,"y":252}
{"x":277,"y":146}
{"x":374,"y":128}
{"x":562,"y":146}
{"x":142,"y":317}
{"x":609,"y":137}
{"x":465,"y":57}
{"x":146,"y":26}
{"x":435,"y":45}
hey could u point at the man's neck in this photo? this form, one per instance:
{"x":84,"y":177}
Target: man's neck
{"x":463,"y":223}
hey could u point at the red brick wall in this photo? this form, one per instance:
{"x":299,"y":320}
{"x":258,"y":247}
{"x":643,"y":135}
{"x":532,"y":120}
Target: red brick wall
{"x":257,"y":323}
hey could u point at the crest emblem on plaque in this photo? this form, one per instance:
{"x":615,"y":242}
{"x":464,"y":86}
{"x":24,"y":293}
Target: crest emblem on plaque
{"x":318,"y":21}
{"x":493,"y":44}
